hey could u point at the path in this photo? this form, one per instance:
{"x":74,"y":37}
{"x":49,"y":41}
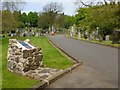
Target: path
{"x":100,"y":68}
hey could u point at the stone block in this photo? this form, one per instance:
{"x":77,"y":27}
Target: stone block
{"x":16,"y":59}
{"x":26,"y":53}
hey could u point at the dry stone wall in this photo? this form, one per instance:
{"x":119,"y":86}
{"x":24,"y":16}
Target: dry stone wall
{"x":22,"y":59}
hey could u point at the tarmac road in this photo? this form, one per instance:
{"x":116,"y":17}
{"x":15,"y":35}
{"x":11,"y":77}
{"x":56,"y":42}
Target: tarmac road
{"x":99,"y":69}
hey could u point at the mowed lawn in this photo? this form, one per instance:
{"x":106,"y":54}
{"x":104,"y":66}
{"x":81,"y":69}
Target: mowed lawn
{"x":51,"y":58}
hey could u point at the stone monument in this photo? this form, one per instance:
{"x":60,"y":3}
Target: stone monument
{"x":107,"y":38}
{"x":79,"y":35}
{"x":22,"y":56}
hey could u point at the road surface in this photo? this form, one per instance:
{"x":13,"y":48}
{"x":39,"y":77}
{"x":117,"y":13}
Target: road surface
{"x":99,"y":69}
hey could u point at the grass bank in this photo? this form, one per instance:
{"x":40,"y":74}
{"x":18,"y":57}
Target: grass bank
{"x":97,"y":42}
{"x":52,"y":58}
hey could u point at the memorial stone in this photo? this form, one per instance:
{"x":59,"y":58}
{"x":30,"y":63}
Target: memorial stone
{"x":79,"y":35}
{"x":107,"y":38}
{"x":20,"y":57}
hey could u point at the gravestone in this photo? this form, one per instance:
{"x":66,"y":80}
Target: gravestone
{"x":100,"y":38}
{"x":90,"y":36}
{"x":93,"y":35}
{"x":116,"y":37}
{"x":96,"y":34}
{"x":70,"y":32}
{"x":82,"y":35}
{"x":37,"y":34}
{"x":86,"y":34}
{"x":79,"y":35}
{"x":107,"y":37}
{"x":73,"y":31}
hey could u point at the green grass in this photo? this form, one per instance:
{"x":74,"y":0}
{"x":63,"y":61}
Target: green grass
{"x":9,"y":79}
{"x":52,"y":58}
{"x":97,"y":42}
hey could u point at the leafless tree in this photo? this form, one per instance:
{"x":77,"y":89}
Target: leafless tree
{"x":54,"y":7}
{"x":52,"y":10}
{"x":82,"y":3}
{"x":91,"y":3}
{"x":12,"y":5}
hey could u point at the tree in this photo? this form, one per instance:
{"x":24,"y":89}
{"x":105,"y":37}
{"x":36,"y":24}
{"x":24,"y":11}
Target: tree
{"x":52,"y":10}
{"x":8,"y":22}
{"x":105,"y":17}
{"x":60,"y":21}
{"x":69,"y":21}
{"x":24,"y":19}
{"x":11,"y":6}
{"x":80,"y":16}
{"x":53,"y":7}
{"x":18,"y":17}
{"x":10,"y":15}
{"x":0,"y":22}
{"x":43,"y":21}
{"x":105,"y":29}
{"x":33,"y":19}
{"x":91,"y":3}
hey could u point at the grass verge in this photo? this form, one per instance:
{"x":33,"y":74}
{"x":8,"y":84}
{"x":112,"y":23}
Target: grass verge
{"x":97,"y":42}
{"x":51,"y":58}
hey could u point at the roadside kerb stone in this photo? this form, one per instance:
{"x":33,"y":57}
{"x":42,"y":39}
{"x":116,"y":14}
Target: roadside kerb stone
{"x":60,"y":74}
{"x":47,"y":82}
{"x":44,"y":83}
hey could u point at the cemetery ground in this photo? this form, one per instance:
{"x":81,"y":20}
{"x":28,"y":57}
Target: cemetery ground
{"x":106,"y":43}
{"x":51,"y":58}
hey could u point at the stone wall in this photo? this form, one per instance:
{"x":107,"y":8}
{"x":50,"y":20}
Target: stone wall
{"x":22,"y":59}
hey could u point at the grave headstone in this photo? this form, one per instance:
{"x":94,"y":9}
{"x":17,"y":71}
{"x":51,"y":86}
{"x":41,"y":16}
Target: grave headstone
{"x":91,"y":37}
{"x":73,"y":30}
{"x":107,"y":37}
{"x":100,"y":38}
{"x":86,"y":32}
{"x":79,"y":35}
{"x":37,"y":34}
{"x":116,"y":37}
{"x":83,"y":34}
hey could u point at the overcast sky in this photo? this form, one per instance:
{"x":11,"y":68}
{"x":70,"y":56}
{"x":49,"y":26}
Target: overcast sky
{"x":69,"y":8}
